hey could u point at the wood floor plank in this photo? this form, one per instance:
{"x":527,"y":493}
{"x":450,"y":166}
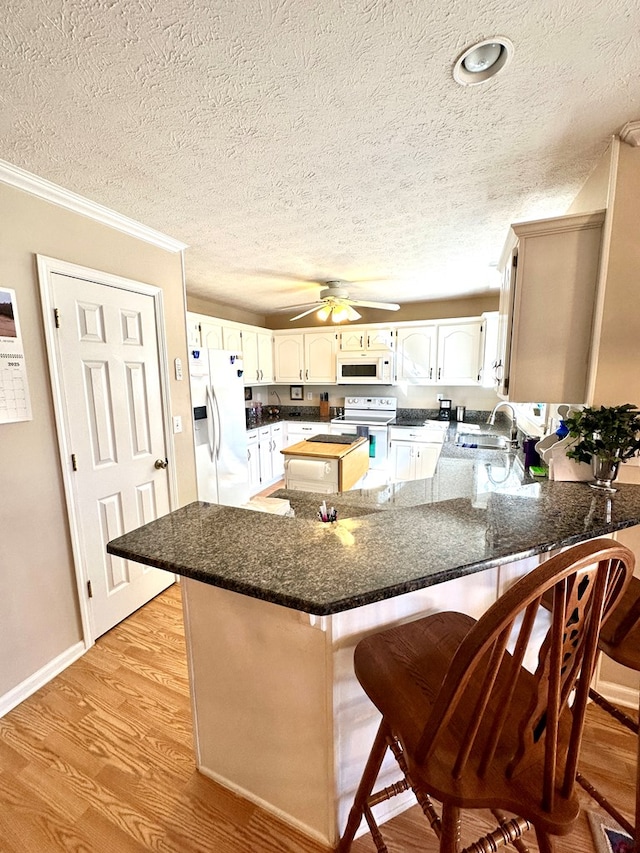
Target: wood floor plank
{"x":101,"y":761}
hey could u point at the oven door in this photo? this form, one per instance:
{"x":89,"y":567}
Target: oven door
{"x":365,"y":370}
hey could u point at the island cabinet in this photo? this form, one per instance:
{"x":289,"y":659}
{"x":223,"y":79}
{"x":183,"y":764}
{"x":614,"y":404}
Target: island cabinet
{"x":448,"y":353}
{"x":305,"y":357}
{"x":549,"y":278}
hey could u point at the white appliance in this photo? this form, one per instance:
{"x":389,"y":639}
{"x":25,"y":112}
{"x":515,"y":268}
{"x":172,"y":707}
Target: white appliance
{"x":365,"y":369}
{"x":369,"y":416}
{"x":219,"y":424}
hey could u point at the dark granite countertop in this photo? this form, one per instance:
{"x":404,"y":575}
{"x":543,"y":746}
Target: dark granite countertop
{"x":475,"y":513}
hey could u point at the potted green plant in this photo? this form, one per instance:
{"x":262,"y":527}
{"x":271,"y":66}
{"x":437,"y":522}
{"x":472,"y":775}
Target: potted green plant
{"x":605,"y":437}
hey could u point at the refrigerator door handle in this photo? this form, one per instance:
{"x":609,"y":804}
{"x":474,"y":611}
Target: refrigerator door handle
{"x":210,"y":425}
{"x":216,"y":413}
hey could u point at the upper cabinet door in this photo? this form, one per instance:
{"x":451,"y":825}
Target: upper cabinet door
{"x":460,"y":353}
{"x":288,"y":356}
{"x":320,"y":356}
{"x":250,"y":357}
{"x":211,"y":334}
{"x":416,"y":354}
{"x":232,"y":339}
{"x":193,"y":330}
{"x":265,"y":356}
{"x":380,"y":339}
{"x":353,"y":339}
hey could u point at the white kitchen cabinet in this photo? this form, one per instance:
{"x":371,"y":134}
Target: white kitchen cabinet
{"x":549,"y":276}
{"x":193,"y":330}
{"x":460,"y":353}
{"x":277,"y":443}
{"x":308,"y":357}
{"x":359,"y":338}
{"x":320,"y":356}
{"x":301,"y":430}
{"x":253,"y":458}
{"x":257,"y":354}
{"x":266,"y":463}
{"x":266,"y":456}
{"x":232,"y":338}
{"x":210,"y":334}
{"x":288,"y":358}
{"x":416,"y":354}
{"x":415,"y":451}
{"x":448,"y":353}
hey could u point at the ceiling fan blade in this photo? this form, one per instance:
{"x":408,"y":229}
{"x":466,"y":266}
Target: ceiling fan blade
{"x":316,"y":307}
{"x":386,"y":306}
{"x":296,"y":307}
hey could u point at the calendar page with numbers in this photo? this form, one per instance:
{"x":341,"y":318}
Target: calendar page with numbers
{"x":15,"y":404}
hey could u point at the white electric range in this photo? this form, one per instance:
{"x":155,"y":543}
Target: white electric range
{"x":369,"y":416}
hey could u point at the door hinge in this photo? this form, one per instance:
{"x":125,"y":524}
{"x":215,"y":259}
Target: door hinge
{"x":74,"y":462}
{"x":56,"y":317}
{"x":89,"y":589}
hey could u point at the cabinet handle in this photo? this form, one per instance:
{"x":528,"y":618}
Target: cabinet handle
{"x":257,"y":375}
{"x":306,"y":374}
{"x":431,"y":373}
{"x":261,"y":375}
{"x":300,"y":373}
{"x":248,"y":455}
{"x":361,"y":340}
{"x":439,"y":372}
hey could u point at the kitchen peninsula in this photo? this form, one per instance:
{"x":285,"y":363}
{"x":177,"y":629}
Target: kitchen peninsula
{"x":274,"y":607}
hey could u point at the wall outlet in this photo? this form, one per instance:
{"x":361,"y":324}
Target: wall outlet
{"x":309,"y":395}
{"x":178,"y":366}
{"x":177,"y":423}
{"x":439,"y":397}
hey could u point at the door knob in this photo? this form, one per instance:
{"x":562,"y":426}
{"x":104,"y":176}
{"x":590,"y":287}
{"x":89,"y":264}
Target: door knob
{"x":161,"y":463}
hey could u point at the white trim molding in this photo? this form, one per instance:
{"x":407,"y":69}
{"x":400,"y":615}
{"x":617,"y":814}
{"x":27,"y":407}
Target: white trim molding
{"x":29,"y":686}
{"x":630,"y":133}
{"x":48,"y":191}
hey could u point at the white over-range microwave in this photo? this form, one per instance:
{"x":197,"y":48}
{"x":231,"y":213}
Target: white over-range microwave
{"x":365,"y":369}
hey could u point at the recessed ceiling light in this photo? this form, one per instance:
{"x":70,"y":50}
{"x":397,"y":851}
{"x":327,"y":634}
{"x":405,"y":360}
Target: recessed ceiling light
{"x":482,"y":61}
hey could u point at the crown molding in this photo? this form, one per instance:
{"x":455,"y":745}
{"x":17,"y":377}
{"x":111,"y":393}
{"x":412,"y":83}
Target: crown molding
{"x":630,"y":133}
{"x":48,"y":191}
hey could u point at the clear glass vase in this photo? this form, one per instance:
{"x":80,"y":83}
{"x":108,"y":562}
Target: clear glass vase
{"x":605,"y":472}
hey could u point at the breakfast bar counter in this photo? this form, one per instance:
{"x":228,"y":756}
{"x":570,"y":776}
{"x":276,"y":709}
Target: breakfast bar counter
{"x":274,"y":607}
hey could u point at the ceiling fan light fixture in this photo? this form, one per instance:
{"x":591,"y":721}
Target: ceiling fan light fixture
{"x":482,"y":61}
{"x":324,"y":312}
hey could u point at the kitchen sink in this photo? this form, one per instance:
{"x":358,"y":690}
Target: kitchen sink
{"x":482,"y":441}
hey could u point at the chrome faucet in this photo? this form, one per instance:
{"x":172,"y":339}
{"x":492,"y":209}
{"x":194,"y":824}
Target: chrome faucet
{"x":514,"y":422}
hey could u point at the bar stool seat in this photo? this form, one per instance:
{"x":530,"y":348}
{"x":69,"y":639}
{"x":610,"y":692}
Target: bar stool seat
{"x":469,"y":725}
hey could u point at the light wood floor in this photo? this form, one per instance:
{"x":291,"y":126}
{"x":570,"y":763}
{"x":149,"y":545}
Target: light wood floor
{"x":101,"y":761}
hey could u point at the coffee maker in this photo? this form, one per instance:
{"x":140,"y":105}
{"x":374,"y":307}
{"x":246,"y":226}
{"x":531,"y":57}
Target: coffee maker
{"x":445,"y":410}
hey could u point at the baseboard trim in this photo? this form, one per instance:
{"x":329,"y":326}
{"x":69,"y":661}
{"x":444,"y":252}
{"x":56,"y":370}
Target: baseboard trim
{"x":29,"y":686}
{"x":304,"y":828}
{"x":618,"y":694}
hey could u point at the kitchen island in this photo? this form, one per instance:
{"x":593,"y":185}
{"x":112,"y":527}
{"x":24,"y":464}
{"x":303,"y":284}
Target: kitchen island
{"x":326,"y":463}
{"x":274,"y":607}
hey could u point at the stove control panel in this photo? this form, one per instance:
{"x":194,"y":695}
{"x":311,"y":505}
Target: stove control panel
{"x":374,"y":404}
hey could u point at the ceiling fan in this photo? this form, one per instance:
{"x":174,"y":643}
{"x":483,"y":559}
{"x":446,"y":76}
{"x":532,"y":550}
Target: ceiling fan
{"x":334,"y":302}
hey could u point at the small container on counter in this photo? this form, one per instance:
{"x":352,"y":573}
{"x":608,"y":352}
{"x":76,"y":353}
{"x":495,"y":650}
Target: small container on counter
{"x":460,"y":413}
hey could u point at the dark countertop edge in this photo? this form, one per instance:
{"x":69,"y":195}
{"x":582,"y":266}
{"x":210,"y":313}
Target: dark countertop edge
{"x":373,"y":596}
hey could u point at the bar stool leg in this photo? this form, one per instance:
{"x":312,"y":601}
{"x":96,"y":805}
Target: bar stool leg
{"x":369,"y":776}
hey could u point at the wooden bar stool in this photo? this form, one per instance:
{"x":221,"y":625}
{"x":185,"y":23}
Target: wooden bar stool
{"x":620,"y":640}
{"x":469,"y":725}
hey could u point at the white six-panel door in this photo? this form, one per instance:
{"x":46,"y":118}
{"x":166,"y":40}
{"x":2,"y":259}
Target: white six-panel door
{"x":108,"y":360}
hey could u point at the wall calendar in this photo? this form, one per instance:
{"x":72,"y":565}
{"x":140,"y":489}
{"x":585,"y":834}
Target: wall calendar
{"x":15,"y":404}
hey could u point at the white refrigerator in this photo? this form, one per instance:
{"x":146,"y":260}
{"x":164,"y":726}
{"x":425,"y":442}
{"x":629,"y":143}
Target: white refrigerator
{"x":219,"y":423}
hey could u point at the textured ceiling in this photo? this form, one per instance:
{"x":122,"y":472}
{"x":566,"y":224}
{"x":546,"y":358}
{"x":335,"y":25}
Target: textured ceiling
{"x":308,"y":139}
